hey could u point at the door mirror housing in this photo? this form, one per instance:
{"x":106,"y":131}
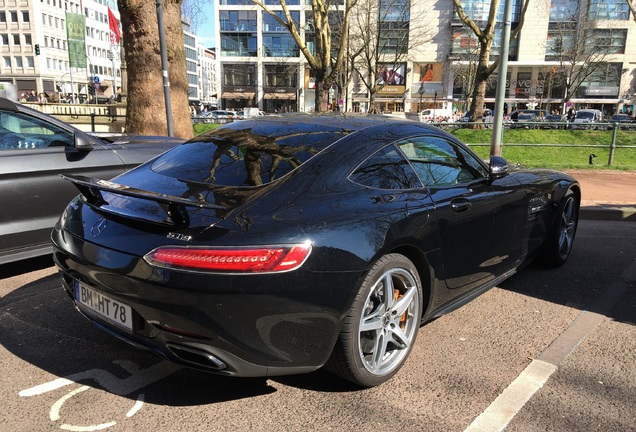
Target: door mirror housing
{"x":498,"y":167}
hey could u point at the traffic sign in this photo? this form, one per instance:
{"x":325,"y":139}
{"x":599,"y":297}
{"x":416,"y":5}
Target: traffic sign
{"x":96,"y":79}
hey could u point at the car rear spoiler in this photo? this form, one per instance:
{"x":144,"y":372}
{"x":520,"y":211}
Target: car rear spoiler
{"x":91,"y":189}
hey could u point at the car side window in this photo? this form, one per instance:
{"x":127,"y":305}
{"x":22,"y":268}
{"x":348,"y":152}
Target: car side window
{"x":440,"y":162}
{"x":386,"y":169}
{"x":21,"y":131}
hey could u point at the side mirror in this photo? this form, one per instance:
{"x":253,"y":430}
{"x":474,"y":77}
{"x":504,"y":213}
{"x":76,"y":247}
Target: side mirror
{"x":498,"y":167}
{"x":83,"y":143}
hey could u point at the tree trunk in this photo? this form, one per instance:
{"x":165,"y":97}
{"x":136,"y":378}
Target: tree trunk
{"x":146,"y":113}
{"x":481,"y":81}
{"x":323,"y":85}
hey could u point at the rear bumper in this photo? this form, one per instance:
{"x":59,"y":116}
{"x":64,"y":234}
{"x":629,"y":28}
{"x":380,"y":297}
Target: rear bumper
{"x":252,"y":325}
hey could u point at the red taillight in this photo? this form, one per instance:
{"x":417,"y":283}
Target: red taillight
{"x":240,"y":260}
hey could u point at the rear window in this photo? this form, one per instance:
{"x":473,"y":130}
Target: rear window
{"x":235,"y":157}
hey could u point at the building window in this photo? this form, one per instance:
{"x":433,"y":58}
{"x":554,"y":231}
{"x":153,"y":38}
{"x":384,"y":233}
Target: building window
{"x":465,"y":43}
{"x":239,"y":75}
{"x":561,"y":40}
{"x":236,"y":21}
{"x":6,"y":62}
{"x":235,"y":2}
{"x":238,"y":44}
{"x":271,"y":25}
{"x":3,"y":17}
{"x":608,"y":41}
{"x":394,"y":37}
{"x":14,"y":16}
{"x":281,"y":75}
{"x":478,"y":10}
{"x":16,"y":39}
{"x":564,"y":10}
{"x":27,"y":39}
{"x":395,"y":10}
{"x":18,"y":62}
{"x":30,"y":62}
{"x":5,"y":39}
{"x":25,"y":17}
{"x":608,"y":9}
{"x":605,"y":75}
{"x":279,"y":45}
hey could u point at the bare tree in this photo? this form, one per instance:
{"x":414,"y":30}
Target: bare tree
{"x":632,"y":6}
{"x":193,"y":10}
{"x":485,"y":38}
{"x":582,"y":51}
{"x":143,"y":60}
{"x":464,"y":70}
{"x":383,"y":34}
{"x":327,"y":60}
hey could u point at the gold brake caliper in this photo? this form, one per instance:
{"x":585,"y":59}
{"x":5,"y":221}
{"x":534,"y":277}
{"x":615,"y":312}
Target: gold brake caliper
{"x":397,"y":295}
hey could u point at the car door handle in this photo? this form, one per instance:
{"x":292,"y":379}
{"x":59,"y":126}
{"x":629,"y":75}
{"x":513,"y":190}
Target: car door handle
{"x":460,"y":205}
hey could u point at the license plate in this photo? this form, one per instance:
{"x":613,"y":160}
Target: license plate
{"x":104,"y":306}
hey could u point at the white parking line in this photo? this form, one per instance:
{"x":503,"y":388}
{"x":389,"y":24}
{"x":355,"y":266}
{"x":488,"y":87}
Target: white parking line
{"x":497,"y":416}
{"x":503,"y":409}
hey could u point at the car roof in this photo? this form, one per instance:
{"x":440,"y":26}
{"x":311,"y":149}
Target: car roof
{"x":279,"y":125}
{"x":319,"y":130}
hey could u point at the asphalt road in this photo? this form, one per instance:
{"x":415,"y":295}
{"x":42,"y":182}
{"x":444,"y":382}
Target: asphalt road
{"x":557,"y":345}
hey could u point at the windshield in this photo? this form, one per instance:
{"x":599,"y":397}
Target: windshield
{"x":585,"y":115}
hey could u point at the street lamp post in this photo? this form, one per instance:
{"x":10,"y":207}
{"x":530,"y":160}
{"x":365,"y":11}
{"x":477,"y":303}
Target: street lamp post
{"x":111,"y":57}
{"x":434,"y":104}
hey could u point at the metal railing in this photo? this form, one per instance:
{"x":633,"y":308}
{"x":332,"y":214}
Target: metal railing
{"x":614,"y":127}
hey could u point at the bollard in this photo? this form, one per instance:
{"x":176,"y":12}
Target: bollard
{"x":93,"y":121}
{"x":613,"y":144}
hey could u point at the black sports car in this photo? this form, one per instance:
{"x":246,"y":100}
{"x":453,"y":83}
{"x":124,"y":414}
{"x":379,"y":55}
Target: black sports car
{"x":285,"y":244}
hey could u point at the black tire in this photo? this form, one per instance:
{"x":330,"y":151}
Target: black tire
{"x":382,"y":324}
{"x":558,"y":244}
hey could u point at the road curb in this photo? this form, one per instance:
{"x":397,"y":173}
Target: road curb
{"x":608,"y":213}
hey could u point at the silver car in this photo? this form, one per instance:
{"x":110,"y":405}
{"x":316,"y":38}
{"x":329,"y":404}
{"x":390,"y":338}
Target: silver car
{"x":34,"y":150}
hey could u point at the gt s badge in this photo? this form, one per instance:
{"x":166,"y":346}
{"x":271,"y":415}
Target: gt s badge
{"x":177,"y":236}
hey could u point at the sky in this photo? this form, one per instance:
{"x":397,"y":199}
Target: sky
{"x":206,"y":28}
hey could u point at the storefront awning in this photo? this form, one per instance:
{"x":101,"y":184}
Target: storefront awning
{"x":238,"y":95}
{"x":280,"y":96}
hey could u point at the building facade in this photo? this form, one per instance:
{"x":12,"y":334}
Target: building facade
{"x":260,"y":64}
{"x":34,"y":48}
{"x":207,"y":77}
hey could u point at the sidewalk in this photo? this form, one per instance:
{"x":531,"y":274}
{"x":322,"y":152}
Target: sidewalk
{"x":607,"y":194}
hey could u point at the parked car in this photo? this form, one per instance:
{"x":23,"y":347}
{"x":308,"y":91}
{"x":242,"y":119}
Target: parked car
{"x":624,"y":121}
{"x":587,"y":119}
{"x":223,"y":116}
{"x":34,"y":150}
{"x":437,"y":115}
{"x":525,"y":120}
{"x":283,"y":244}
{"x":553,"y":121}
{"x":486,"y":116}
{"x":539,"y":114}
